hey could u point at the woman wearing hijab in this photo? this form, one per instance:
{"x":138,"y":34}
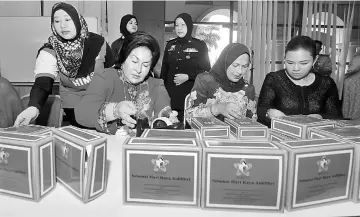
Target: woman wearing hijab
{"x":72,"y":54}
{"x":128,"y":25}
{"x":223,"y":92}
{"x":184,"y":58}
{"x":296,"y":89}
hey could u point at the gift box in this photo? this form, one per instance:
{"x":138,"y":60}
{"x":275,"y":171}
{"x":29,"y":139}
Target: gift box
{"x":334,"y":132}
{"x":162,"y":171}
{"x":356,"y":186}
{"x":247,"y":129}
{"x":80,"y":162}
{"x":30,"y":129}
{"x":27,"y":165}
{"x":243,"y":175}
{"x":275,"y":136}
{"x":319,"y":172}
{"x":298,"y":125}
{"x":347,"y":123}
{"x":210,"y":127}
{"x":170,"y":134}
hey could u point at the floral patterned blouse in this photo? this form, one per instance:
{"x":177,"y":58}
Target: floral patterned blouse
{"x":207,"y":91}
{"x":149,"y":97}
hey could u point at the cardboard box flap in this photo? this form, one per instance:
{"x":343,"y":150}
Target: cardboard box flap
{"x":342,"y":131}
{"x":311,"y":143}
{"x":21,"y":137}
{"x":244,"y":122}
{"x":163,"y":133}
{"x":80,"y":134}
{"x":303,"y":119}
{"x":357,"y":140}
{"x":240,"y":144}
{"x":208,"y":122}
{"x":26,"y":129}
{"x":161,"y":142}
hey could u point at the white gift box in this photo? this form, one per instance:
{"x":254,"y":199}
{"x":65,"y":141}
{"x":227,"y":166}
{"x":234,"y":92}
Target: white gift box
{"x":81,"y":162}
{"x":30,"y":129}
{"x":210,"y":127}
{"x":243,"y":175}
{"x":27,"y":165}
{"x":298,"y":125}
{"x":247,"y":129}
{"x":334,"y":132}
{"x":319,"y":172}
{"x":166,"y":133}
{"x":276,"y":136}
{"x":162,"y":171}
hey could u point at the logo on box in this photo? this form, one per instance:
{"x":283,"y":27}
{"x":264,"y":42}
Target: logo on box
{"x":4,"y":156}
{"x":160,"y":164}
{"x":323,"y":164}
{"x":243,"y":168}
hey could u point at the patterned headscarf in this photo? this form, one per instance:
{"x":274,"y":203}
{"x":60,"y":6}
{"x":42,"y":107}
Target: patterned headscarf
{"x":230,"y":53}
{"x":69,"y":53}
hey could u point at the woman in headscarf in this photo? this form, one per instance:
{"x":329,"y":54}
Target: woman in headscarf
{"x":128,"y":25}
{"x":117,"y":98}
{"x":184,"y":58}
{"x":72,"y":54}
{"x":296,"y":90}
{"x":223,"y":92}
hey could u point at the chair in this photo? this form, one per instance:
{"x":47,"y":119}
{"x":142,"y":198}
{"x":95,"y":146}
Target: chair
{"x":51,"y":114}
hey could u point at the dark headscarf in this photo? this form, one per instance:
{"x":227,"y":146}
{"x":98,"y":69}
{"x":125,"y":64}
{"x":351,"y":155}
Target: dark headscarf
{"x":74,"y":57}
{"x":189,"y":23}
{"x":124,"y":21}
{"x":230,"y":53}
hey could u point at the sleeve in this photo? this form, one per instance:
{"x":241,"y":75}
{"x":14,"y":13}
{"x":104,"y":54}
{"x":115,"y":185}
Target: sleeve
{"x":266,"y":100}
{"x":251,"y":107}
{"x":115,"y":50}
{"x":203,"y":62}
{"x":46,"y":72}
{"x":198,"y":99}
{"x":90,"y":111}
{"x":332,"y":108}
{"x":165,"y":64}
{"x":162,"y":98}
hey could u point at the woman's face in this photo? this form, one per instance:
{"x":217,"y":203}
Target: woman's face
{"x":180,"y":27}
{"x":64,"y":25}
{"x":298,"y":63}
{"x":132,"y":26}
{"x":137,"y":65}
{"x":238,"y":68}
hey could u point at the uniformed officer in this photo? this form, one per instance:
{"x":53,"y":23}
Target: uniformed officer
{"x":184,"y":58}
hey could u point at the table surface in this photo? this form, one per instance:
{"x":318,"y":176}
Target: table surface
{"x":60,"y":202}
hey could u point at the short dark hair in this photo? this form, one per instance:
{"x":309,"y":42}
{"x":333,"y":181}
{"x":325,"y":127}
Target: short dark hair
{"x":318,"y":42}
{"x":302,"y":42}
{"x":140,"y":39}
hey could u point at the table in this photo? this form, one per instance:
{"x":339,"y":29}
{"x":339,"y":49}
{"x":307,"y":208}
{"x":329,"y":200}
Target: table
{"x":61,"y":203}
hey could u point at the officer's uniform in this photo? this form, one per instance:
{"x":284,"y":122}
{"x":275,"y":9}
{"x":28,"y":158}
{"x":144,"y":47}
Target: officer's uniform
{"x":183,"y":56}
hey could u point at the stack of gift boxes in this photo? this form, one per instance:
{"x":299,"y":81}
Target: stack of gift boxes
{"x":232,"y":164}
{"x":33,"y":157}
{"x":239,"y":164}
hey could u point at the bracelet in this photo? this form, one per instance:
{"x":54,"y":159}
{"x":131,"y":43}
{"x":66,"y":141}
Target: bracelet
{"x":268,"y":113}
{"x":115,"y":112}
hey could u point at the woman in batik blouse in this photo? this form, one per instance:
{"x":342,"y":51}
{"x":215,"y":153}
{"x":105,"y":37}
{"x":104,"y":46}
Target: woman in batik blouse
{"x":117,"y":97}
{"x":223,"y":92}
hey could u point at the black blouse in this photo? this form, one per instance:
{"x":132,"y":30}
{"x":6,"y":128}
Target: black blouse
{"x":279,"y":92}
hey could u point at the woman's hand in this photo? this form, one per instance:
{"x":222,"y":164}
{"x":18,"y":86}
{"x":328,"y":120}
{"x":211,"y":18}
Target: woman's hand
{"x":102,"y":53}
{"x":229,"y":110}
{"x":180,"y":78}
{"x":315,"y":116}
{"x":124,"y":110}
{"x":26,"y":116}
{"x":274,"y":113}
